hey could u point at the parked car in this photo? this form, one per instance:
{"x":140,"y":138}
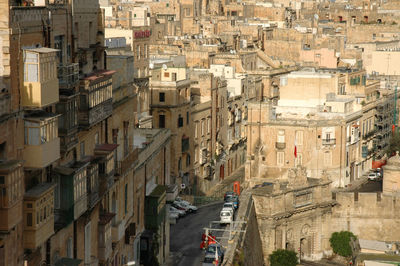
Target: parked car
{"x":179,"y":199}
{"x":226,"y":216}
{"x":179,"y":207}
{"x":373,"y":176}
{"x":187,"y":208}
{"x":173,"y":215}
{"x":229,"y":205}
{"x":191,"y":208}
{"x":175,"y":210}
{"x":229,"y":194}
{"x":234,"y":200}
{"x":211,"y":251}
{"x":209,"y":260}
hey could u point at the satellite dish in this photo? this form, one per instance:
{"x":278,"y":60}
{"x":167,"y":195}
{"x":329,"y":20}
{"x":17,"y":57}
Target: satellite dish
{"x":164,"y":66}
{"x":151,"y":65}
{"x":316,"y":16}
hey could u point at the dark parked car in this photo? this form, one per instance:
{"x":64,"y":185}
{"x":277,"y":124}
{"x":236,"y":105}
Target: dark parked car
{"x":210,"y":251}
{"x":229,"y":194}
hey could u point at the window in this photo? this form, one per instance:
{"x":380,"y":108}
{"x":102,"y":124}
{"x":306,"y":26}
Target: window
{"x":161,"y":121}
{"x":327,"y":158}
{"x":138,"y":52}
{"x":299,"y":159}
{"x":69,"y":248}
{"x":126,"y":198}
{"x":96,"y":138}
{"x":299,"y":137}
{"x":166,"y":74}
{"x":145,"y":52}
{"x":162,"y":97}
{"x":173,"y":76}
{"x":82,"y":146}
{"x":2,"y":179}
{"x":281,"y":136}
{"x":187,"y":12}
{"x":202,"y":127}
{"x":280,"y":158}
{"x":31,"y":62}
{"x":196,"y":128}
{"x":88,"y":241}
{"x":37,"y":133}
{"x":188,"y":160}
{"x":29,"y":219}
{"x":180,"y":121}
{"x":209,"y":125}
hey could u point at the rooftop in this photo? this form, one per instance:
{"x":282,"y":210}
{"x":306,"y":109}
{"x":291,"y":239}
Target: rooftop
{"x":373,"y":245}
{"x":9,"y":165}
{"x":38,"y":190}
{"x":99,"y":74}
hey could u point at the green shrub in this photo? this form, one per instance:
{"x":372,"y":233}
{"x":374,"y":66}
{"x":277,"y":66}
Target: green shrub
{"x":283,"y":257}
{"x":340,"y":243}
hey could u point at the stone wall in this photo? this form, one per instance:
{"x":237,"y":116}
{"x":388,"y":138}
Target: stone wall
{"x":368,"y":215}
{"x":252,"y":245}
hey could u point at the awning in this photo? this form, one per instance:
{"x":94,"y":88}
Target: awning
{"x":378,"y":164}
{"x":68,"y":262}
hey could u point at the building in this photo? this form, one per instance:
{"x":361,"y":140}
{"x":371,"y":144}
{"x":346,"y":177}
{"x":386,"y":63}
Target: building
{"x":152,"y":175}
{"x":330,"y":124}
{"x":170,"y":107}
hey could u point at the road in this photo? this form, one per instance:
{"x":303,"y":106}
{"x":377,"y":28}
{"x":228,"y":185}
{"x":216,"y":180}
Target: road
{"x":371,"y":186}
{"x":185,"y":235}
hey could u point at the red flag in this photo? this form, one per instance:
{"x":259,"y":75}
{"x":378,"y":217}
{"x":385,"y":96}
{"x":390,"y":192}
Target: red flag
{"x":295,"y":149}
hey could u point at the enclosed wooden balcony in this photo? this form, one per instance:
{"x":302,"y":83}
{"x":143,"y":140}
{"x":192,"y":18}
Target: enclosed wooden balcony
{"x":42,"y":145}
{"x":67,"y":108}
{"x":95,"y":102}
{"x":68,"y":76}
{"x":105,"y":158}
{"x":40,"y":78}
{"x":155,"y":210}
{"x":105,"y":240}
{"x":72,"y":187}
{"x":38,"y":215}
{"x":92,"y":172}
{"x":11,"y":193}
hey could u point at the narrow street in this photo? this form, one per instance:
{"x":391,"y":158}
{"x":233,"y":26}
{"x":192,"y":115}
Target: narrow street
{"x":185,"y":235}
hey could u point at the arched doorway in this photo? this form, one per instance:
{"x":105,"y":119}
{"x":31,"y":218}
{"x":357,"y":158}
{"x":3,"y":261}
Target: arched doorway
{"x":305,"y":250}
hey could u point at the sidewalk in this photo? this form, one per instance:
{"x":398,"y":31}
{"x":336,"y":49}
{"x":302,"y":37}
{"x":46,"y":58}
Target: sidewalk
{"x":227,"y":184}
{"x":354,"y":185}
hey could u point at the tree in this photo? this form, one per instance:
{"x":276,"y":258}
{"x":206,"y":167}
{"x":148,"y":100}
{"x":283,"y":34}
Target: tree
{"x":283,"y":257}
{"x":394,"y":144}
{"x":340,"y":243}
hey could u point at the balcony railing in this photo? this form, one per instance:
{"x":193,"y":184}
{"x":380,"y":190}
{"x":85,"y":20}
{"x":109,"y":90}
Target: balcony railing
{"x":4,"y":104}
{"x":96,"y":114}
{"x":328,"y":141}
{"x":68,"y":76}
{"x":280,"y":145}
{"x":124,"y":165}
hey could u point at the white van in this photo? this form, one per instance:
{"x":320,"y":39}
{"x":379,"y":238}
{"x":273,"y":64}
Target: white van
{"x":226,"y":217}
